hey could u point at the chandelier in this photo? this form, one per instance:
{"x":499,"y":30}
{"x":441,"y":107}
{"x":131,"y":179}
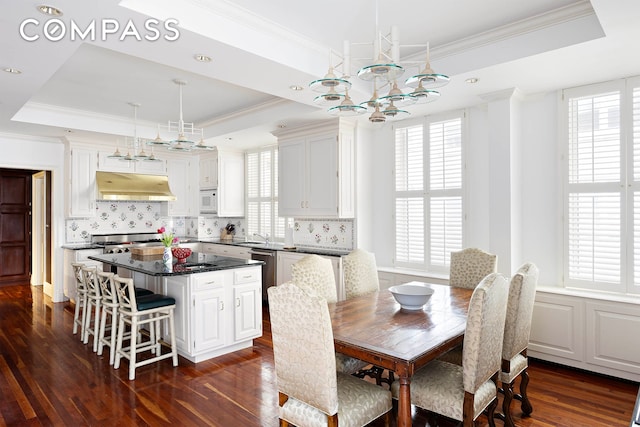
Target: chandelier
{"x":185,"y":133}
{"x":134,"y":144}
{"x":384,"y":74}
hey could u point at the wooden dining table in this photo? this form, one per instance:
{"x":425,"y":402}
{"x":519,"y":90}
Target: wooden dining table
{"x":374,"y":328}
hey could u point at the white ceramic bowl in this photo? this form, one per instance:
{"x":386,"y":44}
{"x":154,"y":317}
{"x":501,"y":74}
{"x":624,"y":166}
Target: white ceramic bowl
{"x":412,"y":295}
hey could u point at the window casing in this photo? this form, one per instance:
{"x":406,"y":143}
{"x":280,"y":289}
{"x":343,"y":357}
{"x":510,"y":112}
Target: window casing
{"x":429,"y":192}
{"x":262,"y":193}
{"x":602,"y":181}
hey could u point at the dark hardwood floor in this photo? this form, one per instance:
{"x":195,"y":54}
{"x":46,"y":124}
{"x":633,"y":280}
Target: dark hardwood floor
{"x":49,"y":378}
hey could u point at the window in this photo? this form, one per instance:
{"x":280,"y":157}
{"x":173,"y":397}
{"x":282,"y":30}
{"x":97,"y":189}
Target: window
{"x":428,"y":193}
{"x":262,"y":194}
{"x":602,"y":205}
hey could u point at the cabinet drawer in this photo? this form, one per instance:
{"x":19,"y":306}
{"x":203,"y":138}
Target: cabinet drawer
{"x":246,"y":275}
{"x":84,"y":254}
{"x":207,"y":281}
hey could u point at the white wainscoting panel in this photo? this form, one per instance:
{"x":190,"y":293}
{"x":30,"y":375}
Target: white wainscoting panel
{"x":557,"y":326}
{"x":612,"y":335}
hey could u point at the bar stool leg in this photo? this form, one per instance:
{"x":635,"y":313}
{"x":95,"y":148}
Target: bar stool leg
{"x":132,"y":350}
{"x":172,"y":335}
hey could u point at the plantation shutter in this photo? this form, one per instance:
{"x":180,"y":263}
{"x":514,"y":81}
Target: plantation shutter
{"x":445,"y":190}
{"x":262,"y":202}
{"x":409,"y":183}
{"x":595,"y":200}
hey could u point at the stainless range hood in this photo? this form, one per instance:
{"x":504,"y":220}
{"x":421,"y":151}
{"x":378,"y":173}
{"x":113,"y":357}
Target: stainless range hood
{"x":133,"y":186}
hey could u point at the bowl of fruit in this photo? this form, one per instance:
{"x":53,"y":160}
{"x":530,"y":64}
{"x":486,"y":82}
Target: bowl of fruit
{"x":181,"y":253}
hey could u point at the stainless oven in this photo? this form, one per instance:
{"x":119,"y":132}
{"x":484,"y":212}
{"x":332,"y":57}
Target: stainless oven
{"x":119,"y":243}
{"x":268,"y":269}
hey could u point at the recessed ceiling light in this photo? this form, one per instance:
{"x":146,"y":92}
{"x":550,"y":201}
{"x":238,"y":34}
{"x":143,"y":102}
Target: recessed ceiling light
{"x":11,"y":70}
{"x":472,"y":80}
{"x":282,"y":126}
{"x":229,"y":138}
{"x":202,"y":58}
{"x":296,"y":87}
{"x":49,"y":10}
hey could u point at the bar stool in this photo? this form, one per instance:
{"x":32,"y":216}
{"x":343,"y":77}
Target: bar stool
{"x":81,"y":299}
{"x":94,"y":304}
{"x":109,"y":310}
{"x":139,"y":311}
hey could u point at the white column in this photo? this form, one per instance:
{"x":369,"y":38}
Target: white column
{"x":504,"y":180}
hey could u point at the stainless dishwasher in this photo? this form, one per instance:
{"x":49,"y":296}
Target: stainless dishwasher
{"x":268,"y":269}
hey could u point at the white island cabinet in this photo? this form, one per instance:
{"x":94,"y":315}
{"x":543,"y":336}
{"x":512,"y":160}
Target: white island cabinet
{"x":216,"y":312}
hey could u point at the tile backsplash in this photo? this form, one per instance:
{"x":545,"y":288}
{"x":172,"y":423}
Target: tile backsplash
{"x":335,"y":234}
{"x":114,"y":217}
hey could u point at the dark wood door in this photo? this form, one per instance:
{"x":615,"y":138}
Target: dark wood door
{"x":15,"y":226}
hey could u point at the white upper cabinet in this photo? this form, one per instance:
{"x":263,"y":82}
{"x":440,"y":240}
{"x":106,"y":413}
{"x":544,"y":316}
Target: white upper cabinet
{"x":224,"y":170}
{"x":209,"y":172}
{"x":81,"y":179}
{"x":316,"y":171}
{"x":181,"y":179}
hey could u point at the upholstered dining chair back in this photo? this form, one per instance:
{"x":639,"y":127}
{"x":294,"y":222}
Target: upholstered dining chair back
{"x":303,"y":338}
{"x":522,"y":294}
{"x":517,"y":329}
{"x":315,"y":275}
{"x":310,"y":391}
{"x":469,"y":266}
{"x":464,"y":392}
{"x":360,"y":273}
{"x":482,"y":350}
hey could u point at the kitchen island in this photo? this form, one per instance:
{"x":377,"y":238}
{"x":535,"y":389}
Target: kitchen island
{"x":218,"y":299}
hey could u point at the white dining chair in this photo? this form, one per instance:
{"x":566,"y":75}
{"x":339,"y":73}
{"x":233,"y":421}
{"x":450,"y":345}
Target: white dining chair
{"x":469,"y":266}
{"x":522,"y":295}
{"x":464,"y":392}
{"x":315,"y":275}
{"x":360,"y":274}
{"x":302,"y":337}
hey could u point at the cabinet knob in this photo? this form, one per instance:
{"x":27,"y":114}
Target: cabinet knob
{"x":237,"y":302}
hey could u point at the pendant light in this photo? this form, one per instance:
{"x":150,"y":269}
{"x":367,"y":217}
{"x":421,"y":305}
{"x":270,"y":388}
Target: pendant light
{"x":184,"y":130}
{"x":136,"y":142}
{"x":386,"y":69}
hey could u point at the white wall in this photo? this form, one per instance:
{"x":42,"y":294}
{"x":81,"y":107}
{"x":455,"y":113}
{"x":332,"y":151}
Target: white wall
{"x":531,"y":198}
{"x":542,"y":187}
{"x":381,"y":213}
{"x":42,"y":154}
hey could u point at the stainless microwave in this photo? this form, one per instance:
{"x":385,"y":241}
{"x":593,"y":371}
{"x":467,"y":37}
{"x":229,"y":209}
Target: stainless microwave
{"x":208,"y":201}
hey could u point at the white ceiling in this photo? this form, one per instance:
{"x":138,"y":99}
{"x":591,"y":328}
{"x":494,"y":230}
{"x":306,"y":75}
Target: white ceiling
{"x":80,"y":89}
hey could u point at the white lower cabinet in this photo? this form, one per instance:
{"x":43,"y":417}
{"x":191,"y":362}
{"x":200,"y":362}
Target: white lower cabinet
{"x":216,"y":312}
{"x":221,"y":249}
{"x":287,"y":259}
{"x":586,"y":333}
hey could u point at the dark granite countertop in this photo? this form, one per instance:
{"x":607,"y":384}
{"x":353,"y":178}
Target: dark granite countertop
{"x":273,"y":246}
{"x":196,"y":263}
{"x":276,"y":246}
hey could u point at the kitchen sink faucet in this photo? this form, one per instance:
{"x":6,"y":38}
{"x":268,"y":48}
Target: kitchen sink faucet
{"x":265,"y":237}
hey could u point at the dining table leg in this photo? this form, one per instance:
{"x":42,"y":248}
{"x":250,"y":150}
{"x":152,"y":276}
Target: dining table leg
{"x":404,"y":402}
